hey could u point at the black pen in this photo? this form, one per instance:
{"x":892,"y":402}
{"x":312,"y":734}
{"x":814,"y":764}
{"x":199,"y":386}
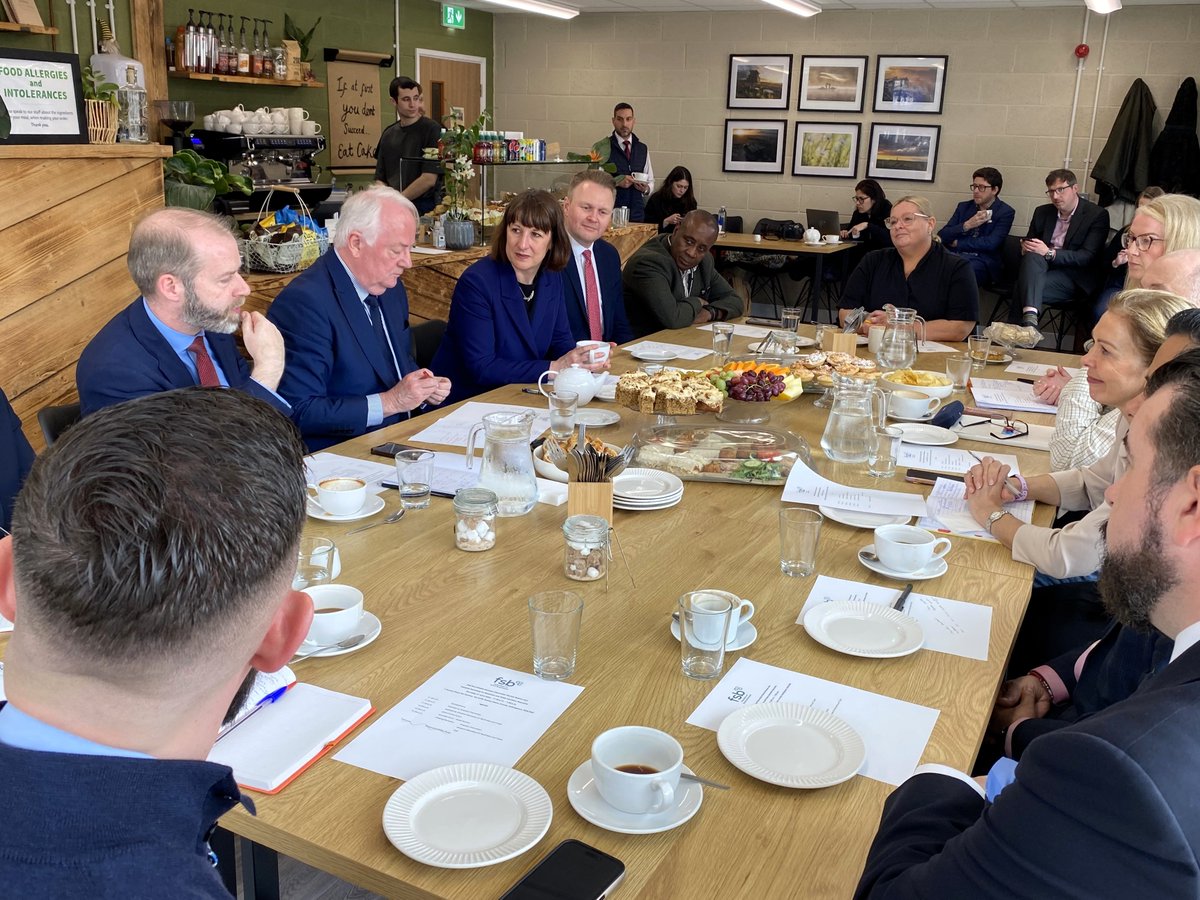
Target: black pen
{"x":1027,"y":380}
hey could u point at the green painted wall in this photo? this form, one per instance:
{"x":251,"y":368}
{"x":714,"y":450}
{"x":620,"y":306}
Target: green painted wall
{"x":57,"y":14}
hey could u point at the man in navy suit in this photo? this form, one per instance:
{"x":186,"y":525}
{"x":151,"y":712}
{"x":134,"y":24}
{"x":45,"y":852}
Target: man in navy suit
{"x":16,"y":456}
{"x":595,"y":265}
{"x":631,"y":157}
{"x":1104,"y":807}
{"x":979,"y":227}
{"x":350,"y":367}
{"x":179,"y":333}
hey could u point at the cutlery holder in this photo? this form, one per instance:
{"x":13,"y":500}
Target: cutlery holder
{"x":590,"y":499}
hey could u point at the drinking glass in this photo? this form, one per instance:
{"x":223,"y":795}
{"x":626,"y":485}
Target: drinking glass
{"x":799,"y":534}
{"x":979,"y":347}
{"x":722,"y":337}
{"x":563,"y":405}
{"x":314,"y":563}
{"x":554,"y":618}
{"x":958,"y":368}
{"x":703,"y":625}
{"x":885,"y":447}
{"x":789,"y":320}
{"x":414,"y":472}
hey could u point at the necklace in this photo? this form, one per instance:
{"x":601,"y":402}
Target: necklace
{"x":528,"y":291}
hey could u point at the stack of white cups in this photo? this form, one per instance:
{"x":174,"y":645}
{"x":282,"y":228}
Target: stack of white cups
{"x":299,"y":124}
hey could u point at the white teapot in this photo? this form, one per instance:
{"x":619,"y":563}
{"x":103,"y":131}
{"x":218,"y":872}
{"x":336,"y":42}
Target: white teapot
{"x":576,"y":379}
{"x":812,"y":236}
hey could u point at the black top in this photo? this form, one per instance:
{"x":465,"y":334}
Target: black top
{"x":400,"y":141}
{"x":661,"y":205}
{"x":942,"y":285}
{"x":876,"y":235}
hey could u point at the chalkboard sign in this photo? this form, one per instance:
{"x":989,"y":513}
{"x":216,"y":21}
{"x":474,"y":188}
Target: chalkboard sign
{"x":356,"y":102}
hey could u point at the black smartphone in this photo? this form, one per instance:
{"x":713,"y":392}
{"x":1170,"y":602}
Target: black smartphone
{"x":571,"y":871}
{"x":920,"y":476}
{"x":769,"y":323}
{"x":391,"y":449}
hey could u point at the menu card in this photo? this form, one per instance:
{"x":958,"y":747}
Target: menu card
{"x":452,"y":429}
{"x":469,"y":711}
{"x":806,"y":486}
{"x":998,"y":393}
{"x":947,"y":459}
{"x":948,"y":511}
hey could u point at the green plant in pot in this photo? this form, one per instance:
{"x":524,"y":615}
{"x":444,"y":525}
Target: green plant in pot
{"x":192,"y":180}
{"x":293,"y":32}
{"x":458,"y":148}
{"x":100,"y":101}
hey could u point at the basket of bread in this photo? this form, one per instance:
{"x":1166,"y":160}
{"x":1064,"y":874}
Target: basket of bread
{"x":283,"y":241}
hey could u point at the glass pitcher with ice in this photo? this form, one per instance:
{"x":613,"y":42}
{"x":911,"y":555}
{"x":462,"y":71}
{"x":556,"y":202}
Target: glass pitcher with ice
{"x":902,"y":337}
{"x":507,"y":467}
{"x":857,"y":407}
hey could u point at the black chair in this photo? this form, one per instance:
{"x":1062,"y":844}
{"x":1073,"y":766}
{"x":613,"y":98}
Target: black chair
{"x":57,"y":419}
{"x":1057,"y":318}
{"x":426,"y":338}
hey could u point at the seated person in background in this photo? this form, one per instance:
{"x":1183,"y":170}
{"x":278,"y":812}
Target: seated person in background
{"x":179,"y":333}
{"x":153,"y":552}
{"x":1102,"y":808}
{"x":508,"y":320}
{"x":592,"y":277}
{"x":344,"y":320}
{"x":670,"y":203}
{"x":979,"y":227}
{"x":1114,"y":253}
{"x":871,"y":210}
{"x":671,"y":282}
{"x":918,"y":273}
{"x":16,"y":456}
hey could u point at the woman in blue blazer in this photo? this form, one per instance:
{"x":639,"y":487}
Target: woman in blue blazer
{"x":508,"y":320}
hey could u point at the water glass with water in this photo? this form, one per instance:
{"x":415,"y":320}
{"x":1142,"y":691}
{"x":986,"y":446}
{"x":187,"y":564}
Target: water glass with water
{"x":958,"y":369}
{"x":789,"y":319}
{"x":881,"y":460}
{"x":563,"y":406}
{"x":722,"y":337}
{"x":314,"y":564}
{"x":414,"y":472}
{"x":979,"y":347}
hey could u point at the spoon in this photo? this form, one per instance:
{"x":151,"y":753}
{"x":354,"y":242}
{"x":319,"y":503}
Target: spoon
{"x":344,"y":644}
{"x":684,"y":776}
{"x":394,"y":517}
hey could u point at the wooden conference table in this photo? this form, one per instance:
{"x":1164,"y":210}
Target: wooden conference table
{"x":818,"y":252}
{"x":756,"y":840}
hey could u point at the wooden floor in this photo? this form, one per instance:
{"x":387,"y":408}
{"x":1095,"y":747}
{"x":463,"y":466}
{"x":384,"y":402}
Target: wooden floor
{"x":300,"y":882}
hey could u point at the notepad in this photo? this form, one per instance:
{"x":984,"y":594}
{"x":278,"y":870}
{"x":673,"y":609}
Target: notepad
{"x":275,"y":745}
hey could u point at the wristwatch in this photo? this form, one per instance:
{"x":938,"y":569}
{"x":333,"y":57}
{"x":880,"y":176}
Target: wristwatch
{"x":994,"y":518}
{"x":1049,"y":256}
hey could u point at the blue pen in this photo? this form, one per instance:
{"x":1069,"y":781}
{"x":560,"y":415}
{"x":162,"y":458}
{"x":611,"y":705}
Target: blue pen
{"x":264,"y":702}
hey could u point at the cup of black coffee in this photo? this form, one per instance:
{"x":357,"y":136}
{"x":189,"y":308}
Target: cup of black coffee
{"x":636,"y":769}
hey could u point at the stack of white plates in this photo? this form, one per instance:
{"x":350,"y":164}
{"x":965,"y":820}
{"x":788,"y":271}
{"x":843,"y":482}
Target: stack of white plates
{"x":646,"y":489}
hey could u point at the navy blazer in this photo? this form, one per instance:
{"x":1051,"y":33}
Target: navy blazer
{"x":1082,"y":245}
{"x":129,"y":358}
{"x":490,"y":340}
{"x":334,"y":359}
{"x":985,"y":242}
{"x":16,"y":458}
{"x":614,"y":323}
{"x":1103,"y":808}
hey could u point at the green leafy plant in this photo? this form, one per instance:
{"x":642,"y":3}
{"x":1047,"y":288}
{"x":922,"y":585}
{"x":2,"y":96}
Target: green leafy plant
{"x":96,"y":88}
{"x":293,"y":33}
{"x":192,"y":180}
{"x":458,"y":148}
{"x":597,"y":157}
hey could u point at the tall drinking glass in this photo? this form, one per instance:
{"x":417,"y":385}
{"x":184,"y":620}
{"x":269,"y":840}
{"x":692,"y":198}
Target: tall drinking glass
{"x":789,"y":319}
{"x":799,"y":535}
{"x":414,"y":471}
{"x":703,"y":625}
{"x":563,"y":405}
{"x":554,"y":618}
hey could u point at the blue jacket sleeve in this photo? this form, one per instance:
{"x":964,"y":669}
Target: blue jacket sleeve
{"x":988,"y":238}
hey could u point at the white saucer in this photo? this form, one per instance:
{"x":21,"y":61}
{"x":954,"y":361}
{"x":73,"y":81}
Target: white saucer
{"x":372,"y":505}
{"x":596,"y":418}
{"x":861,"y":628}
{"x":645,"y":485}
{"x":654,"y":355}
{"x":814,"y":243}
{"x":369,"y":625}
{"x":856,"y":519}
{"x":929,"y":435}
{"x":607,"y":392}
{"x":924,"y":418}
{"x":666,"y":504}
{"x":586,"y":800}
{"x":935,"y":569}
{"x":746,"y":635}
{"x":791,"y":745}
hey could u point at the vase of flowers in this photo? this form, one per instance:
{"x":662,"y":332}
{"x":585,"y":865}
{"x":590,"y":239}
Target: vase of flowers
{"x":456,"y":150}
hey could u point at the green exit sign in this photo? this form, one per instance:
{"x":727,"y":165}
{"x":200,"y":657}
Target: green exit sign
{"x":454,"y":16}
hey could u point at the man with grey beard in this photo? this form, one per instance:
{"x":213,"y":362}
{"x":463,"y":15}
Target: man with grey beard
{"x":179,"y":333}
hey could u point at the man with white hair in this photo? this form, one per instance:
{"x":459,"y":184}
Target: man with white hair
{"x":1177,"y":272}
{"x":350,"y":367}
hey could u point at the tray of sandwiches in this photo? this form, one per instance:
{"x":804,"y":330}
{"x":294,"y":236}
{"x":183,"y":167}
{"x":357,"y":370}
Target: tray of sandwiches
{"x":671,"y":392}
{"x":720,"y":452}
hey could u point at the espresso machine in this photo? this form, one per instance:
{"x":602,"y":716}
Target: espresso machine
{"x":268,"y":161}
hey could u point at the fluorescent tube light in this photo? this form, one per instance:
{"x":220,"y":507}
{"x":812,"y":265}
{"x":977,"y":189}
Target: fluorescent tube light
{"x":1103,"y":7}
{"x":801,"y":8}
{"x":540,"y":7}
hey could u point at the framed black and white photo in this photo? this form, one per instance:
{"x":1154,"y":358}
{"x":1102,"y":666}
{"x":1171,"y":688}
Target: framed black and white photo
{"x":910,"y":84}
{"x":833,"y":83}
{"x":42,"y":97}
{"x":903,"y":152}
{"x":754,"y":145}
{"x":828,"y":149}
{"x":759,"y":82}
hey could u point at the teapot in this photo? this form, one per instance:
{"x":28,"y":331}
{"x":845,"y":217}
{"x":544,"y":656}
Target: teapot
{"x":576,"y":379}
{"x":812,"y":236}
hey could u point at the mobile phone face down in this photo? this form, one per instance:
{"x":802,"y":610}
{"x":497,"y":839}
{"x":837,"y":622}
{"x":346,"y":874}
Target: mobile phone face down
{"x":390,"y":449}
{"x":921,"y":475}
{"x":571,"y":871}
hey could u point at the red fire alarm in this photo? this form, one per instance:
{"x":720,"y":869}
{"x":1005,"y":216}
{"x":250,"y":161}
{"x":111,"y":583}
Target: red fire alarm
{"x":1082,"y":51}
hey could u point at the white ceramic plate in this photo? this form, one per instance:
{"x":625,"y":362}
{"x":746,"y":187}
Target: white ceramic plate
{"x":1006,"y":358}
{"x":856,"y":519}
{"x":791,"y":745}
{"x":372,"y":505}
{"x":368,"y":625}
{"x":597,"y":418}
{"x":859,"y":628}
{"x":930,"y":435}
{"x":667,"y":504}
{"x":801,"y":341}
{"x":654,"y":355}
{"x":467,"y":815}
{"x":746,"y":635}
{"x":935,"y":569}
{"x":607,"y":392}
{"x":586,"y":800}
{"x":547,"y":469}
{"x":645,"y":484}
{"x":915,"y":419}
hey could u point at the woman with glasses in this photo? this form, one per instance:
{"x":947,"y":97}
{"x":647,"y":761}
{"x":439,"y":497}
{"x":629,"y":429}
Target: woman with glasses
{"x":670,"y":203}
{"x":871,"y":207}
{"x":917,"y":273}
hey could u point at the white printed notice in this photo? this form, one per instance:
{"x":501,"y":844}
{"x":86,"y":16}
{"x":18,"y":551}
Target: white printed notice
{"x":998,"y":393}
{"x":947,"y":459}
{"x":806,"y":486}
{"x":469,"y":711}
{"x":450,"y":473}
{"x":677,"y":351}
{"x":948,"y":511}
{"x":1021,"y":367}
{"x":895,"y":732}
{"x":751,"y":331}
{"x":935,"y":347}
{"x":950,"y":626}
{"x":452,"y":429}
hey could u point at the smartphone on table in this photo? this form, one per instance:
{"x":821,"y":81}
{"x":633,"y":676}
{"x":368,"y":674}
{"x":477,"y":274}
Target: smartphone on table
{"x":571,"y":871}
{"x":390,"y":449}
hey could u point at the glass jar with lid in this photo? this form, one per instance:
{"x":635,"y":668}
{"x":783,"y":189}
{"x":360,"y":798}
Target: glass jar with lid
{"x":586,"y":552}
{"x":475,"y":519}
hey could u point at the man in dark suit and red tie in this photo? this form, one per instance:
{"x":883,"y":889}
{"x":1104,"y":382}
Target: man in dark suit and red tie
{"x":592,"y":278}
{"x":635,"y":175}
{"x":179,"y":333}
{"x":350,"y":366}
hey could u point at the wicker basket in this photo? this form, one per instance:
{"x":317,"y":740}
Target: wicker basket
{"x":305,"y":248}
{"x":101,"y":121}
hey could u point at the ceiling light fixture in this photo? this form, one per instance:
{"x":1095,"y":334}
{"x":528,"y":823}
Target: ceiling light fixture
{"x":1103,"y":7}
{"x":801,"y":8}
{"x":539,"y":7}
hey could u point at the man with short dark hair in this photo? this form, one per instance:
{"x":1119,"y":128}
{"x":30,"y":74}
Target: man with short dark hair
{"x":979,"y":227}
{"x":635,"y":175}
{"x":592,"y":278}
{"x":671,"y":281}
{"x":1059,"y":253}
{"x":398,"y":161}
{"x":153,"y":552}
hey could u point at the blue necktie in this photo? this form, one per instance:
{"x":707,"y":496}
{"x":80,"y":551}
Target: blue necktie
{"x":381,"y":336}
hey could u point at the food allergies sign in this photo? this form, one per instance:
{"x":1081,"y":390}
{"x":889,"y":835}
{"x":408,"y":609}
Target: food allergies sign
{"x":42,"y":98}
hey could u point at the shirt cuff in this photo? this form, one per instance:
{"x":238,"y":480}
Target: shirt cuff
{"x":374,"y":410}
{"x":271,"y":392}
{"x":1058,"y":690}
{"x":1001,"y":775}
{"x":939,"y":769}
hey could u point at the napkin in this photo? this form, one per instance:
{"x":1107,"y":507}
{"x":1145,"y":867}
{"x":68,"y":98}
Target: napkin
{"x":552,"y":493}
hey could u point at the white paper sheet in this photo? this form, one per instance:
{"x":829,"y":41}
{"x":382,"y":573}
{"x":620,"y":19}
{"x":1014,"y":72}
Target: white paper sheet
{"x":947,"y":459}
{"x":935,"y":347}
{"x":429,"y":251}
{"x":1021,"y":367}
{"x":895,"y":732}
{"x":1038,"y":438}
{"x":681,"y":351}
{"x":468,"y":711}
{"x":950,"y":626}
{"x":326,"y":465}
{"x":948,"y":511}
{"x":452,"y":429}
{"x":753,"y":331}
{"x":806,"y":486}
{"x":998,"y":393}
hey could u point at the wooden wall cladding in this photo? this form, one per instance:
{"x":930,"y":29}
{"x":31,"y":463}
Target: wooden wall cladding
{"x":65,"y":226}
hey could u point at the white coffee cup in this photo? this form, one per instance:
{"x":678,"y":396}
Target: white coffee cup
{"x":309,"y":129}
{"x":281,"y":128}
{"x":740,"y":615}
{"x":297,"y":112}
{"x":875,"y":338}
{"x":598,"y":351}
{"x":234,"y":128}
{"x":210,"y":122}
{"x":252,"y":128}
{"x":632,"y":747}
{"x":833,"y":238}
{"x":912,"y":404}
{"x":640,"y":176}
{"x":906,"y":549}
{"x":337,"y":611}
{"x":279,"y":117}
{"x":339,"y":495}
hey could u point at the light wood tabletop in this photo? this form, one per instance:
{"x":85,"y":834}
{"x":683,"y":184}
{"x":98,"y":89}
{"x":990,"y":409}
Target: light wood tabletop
{"x":731,"y":241}
{"x":756,"y":840}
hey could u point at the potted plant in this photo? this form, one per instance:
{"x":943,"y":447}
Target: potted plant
{"x":192,"y":180}
{"x":100,"y":100}
{"x":596,"y":157}
{"x":457,"y":152}
{"x":303,"y":38}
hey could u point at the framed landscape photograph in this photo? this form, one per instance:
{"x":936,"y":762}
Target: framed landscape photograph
{"x":904,"y":152}
{"x":833,"y":83}
{"x":910,"y":84}
{"x":828,"y":149}
{"x":759,"y":82}
{"x":754,"y":145}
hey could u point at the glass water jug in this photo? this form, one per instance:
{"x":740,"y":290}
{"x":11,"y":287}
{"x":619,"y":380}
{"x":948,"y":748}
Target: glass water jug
{"x":507,"y":468}
{"x":857,"y":407}
{"x":902,"y":337}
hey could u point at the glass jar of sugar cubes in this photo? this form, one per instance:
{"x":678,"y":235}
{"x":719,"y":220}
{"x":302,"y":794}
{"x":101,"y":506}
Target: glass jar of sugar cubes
{"x":475,"y":519}
{"x":586,"y":552}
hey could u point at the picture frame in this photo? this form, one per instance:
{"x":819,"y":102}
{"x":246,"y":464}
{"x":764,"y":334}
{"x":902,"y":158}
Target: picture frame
{"x":43,"y":97}
{"x":903,"y":152}
{"x":826,"y":149}
{"x":759,"y":81}
{"x":910,"y":84}
{"x":832,"y":83}
{"x":754,"y":145}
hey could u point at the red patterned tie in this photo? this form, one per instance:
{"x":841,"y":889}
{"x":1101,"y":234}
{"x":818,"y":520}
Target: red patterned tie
{"x":628,"y":150}
{"x":204,"y":364}
{"x":592,"y":298}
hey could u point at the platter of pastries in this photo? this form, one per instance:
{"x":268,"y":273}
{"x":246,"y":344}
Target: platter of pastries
{"x":670,"y":393}
{"x":817,"y":368}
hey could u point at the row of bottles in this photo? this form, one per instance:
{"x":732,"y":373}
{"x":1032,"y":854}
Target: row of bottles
{"x":199,"y":47}
{"x":493,"y":147}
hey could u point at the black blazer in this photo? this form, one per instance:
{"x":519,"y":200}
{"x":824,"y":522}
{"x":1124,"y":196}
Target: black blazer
{"x":1084,"y":242}
{"x":615,"y":325}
